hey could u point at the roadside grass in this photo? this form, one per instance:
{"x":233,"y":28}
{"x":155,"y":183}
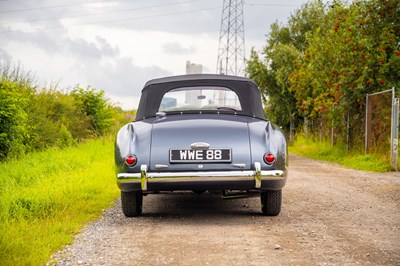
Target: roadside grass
{"x":326,"y":152}
{"x":47,"y":197}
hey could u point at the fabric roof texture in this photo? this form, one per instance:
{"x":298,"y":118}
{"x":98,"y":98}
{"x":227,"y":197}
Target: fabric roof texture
{"x":246,"y":90}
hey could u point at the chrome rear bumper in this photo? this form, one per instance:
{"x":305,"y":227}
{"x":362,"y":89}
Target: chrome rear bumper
{"x":145,"y":178}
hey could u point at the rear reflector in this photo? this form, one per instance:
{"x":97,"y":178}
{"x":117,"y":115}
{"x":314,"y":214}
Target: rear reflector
{"x":130,"y":160}
{"x":269,"y":158}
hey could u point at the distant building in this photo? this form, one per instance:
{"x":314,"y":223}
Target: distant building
{"x":193,"y":68}
{"x":191,"y":96}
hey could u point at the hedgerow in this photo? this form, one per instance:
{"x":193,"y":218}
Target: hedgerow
{"x":34,"y":118}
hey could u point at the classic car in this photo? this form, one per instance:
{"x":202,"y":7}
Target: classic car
{"x":201,"y":133}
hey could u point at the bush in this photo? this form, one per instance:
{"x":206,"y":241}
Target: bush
{"x":96,"y":107}
{"x":36,"y":119}
{"x":13,"y":131}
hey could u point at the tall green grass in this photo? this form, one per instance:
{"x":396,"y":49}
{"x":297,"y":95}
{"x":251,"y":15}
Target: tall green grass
{"x":47,"y":197}
{"x":325,"y":151}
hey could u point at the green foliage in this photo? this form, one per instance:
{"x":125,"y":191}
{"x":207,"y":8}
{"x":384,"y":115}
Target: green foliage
{"x":47,"y":197}
{"x":318,"y":68}
{"x":354,"y":52}
{"x":36,"y":119}
{"x":96,"y":107}
{"x":285,"y":44}
{"x":53,"y":116}
{"x":12,"y":120}
{"x":322,"y":150}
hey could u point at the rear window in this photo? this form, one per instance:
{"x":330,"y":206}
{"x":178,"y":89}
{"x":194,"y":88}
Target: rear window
{"x":200,"y":98}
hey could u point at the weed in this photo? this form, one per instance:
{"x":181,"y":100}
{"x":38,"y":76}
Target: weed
{"x":47,"y":197}
{"x":323,"y":150}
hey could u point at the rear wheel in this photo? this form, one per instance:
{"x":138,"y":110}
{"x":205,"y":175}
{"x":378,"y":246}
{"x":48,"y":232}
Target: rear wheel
{"x":132,"y":203}
{"x":271,"y":201}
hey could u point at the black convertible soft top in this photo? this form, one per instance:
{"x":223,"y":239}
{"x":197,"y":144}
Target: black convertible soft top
{"x":246,"y":90}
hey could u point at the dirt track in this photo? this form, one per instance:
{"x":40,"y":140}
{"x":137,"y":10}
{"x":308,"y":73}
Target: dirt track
{"x":330,"y":216}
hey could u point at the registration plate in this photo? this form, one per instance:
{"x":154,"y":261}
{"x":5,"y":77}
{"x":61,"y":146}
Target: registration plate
{"x":200,"y":156}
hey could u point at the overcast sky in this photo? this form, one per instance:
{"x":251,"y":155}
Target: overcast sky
{"x":117,"y":45}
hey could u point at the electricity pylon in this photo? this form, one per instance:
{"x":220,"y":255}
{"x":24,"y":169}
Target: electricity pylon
{"x":231,"y":53}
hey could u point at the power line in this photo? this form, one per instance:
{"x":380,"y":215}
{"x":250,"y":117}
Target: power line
{"x":68,"y":5}
{"x":269,"y":5}
{"x":100,"y":13}
{"x":109,"y":12}
{"x":126,"y":19}
{"x":36,"y":8}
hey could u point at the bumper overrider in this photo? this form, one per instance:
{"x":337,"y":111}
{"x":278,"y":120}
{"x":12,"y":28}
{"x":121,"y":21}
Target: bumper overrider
{"x":215,"y":180}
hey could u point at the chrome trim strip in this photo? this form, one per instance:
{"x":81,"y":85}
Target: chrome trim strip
{"x":239,"y":165}
{"x":161,"y":114}
{"x":159,"y":166}
{"x":201,"y":174}
{"x":143,"y":177}
{"x":257,"y":175}
{"x":147,"y":177}
{"x":197,"y":179}
{"x":263,"y":174}
{"x":200,"y":146}
{"x":272,"y":173}
{"x":128,"y":175}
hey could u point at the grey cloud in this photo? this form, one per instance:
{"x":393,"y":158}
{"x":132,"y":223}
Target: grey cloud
{"x":138,"y":15}
{"x":41,"y":12}
{"x":84,"y":48}
{"x":177,"y":48}
{"x":106,"y":48}
{"x":59,"y":42}
{"x":5,"y":58}
{"x":196,"y":17}
{"x":121,"y":78}
{"x":48,"y":42}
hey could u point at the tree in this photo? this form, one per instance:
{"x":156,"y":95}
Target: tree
{"x":353,"y":52}
{"x":285,"y":44}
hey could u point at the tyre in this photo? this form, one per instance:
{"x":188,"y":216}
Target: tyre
{"x":132,"y":203}
{"x":271,"y":202}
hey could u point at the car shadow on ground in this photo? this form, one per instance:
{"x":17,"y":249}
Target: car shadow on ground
{"x":206,"y":206}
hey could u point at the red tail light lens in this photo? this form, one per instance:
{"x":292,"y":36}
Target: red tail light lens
{"x":130,"y":160}
{"x":269,"y":158}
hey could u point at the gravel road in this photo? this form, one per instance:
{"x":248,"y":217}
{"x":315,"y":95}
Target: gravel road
{"x":330,"y":216}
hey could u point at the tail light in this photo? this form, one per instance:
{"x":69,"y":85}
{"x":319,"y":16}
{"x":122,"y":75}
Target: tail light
{"x":130,"y":160}
{"x":269,"y":158}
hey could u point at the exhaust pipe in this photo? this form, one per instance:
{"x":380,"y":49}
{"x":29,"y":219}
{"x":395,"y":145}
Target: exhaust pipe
{"x":228,"y":194}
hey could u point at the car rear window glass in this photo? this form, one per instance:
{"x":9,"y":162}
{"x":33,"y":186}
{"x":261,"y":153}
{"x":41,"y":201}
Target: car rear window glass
{"x":200,"y":98}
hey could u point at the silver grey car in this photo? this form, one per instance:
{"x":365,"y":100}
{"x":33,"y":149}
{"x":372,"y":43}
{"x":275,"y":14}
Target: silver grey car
{"x":201,"y":133}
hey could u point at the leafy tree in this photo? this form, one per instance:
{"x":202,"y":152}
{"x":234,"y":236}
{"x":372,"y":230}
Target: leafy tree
{"x":96,"y":107}
{"x":353,"y":52}
{"x":285,"y":43}
{"x":323,"y":62}
{"x":313,"y":79}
